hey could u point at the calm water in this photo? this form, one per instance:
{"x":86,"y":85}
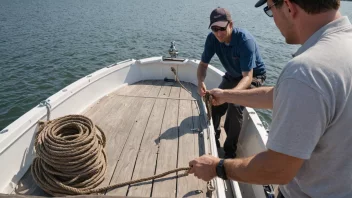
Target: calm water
{"x":45,"y":45}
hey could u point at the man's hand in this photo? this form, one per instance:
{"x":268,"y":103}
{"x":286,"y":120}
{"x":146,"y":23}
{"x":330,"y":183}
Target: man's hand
{"x":204,"y":167}
{"x":201,"y":88}
{"x":218,"y":96}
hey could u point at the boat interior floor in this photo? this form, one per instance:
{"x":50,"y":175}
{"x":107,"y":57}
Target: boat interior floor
{"x":151,"y":127}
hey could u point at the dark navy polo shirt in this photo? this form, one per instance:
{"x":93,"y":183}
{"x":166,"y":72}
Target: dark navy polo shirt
{"x":241,"y":55}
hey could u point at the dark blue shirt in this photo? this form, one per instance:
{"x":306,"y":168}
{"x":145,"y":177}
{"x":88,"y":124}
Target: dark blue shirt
{"x":241,"y":55}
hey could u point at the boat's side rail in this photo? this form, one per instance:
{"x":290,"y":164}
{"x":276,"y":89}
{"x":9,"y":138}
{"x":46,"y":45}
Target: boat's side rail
{"x":252,"y":140}
{"x":16,"y":140}
{"x":16,"y":144}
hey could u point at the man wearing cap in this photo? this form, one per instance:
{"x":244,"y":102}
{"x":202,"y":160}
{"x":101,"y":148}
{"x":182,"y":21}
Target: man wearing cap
{"x":310,"y":141}
{"x":239,"y":54}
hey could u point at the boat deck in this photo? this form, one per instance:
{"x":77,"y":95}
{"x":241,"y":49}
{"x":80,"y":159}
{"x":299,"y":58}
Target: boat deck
{"x":151,"y":127}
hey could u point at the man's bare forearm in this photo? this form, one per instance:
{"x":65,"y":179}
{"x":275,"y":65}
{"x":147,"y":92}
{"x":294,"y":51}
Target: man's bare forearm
{"x":261,"y":97}
{"x":258,"y":169}
{"x":202,"y":71}
{"x":244,"y":83}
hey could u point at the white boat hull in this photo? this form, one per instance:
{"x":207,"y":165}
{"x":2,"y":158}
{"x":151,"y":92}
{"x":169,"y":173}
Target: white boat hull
{"x":16,"y":140}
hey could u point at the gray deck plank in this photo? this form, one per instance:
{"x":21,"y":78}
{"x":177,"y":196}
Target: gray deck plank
{"x":146,"y":161}
{"x":165,"y":90}
{"x":194,"y":92}
{"x":149,"y":88}
{"x":131,"y":88}
{"x":167,"y":157}
{"x":157,"y":84}
{"x":186,"y":186}
{"x":122,"y":122}
{"x":126,"y":163}
{"x":27,"y":186}
{"x":111,"y":100}
{"x":197,"y":119}
{"x":116,"y":119}
{"x":175,"y":91}
{"x":118,"y":123}
{"x":185,"y":93}
{"x":198,"y":137}
{"x":199,"y":148}
{"x":98,"y":105}
{"x":203,"y":124}
{"x":101,"y":110}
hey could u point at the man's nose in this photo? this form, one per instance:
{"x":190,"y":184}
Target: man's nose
{"x":219,"y":33}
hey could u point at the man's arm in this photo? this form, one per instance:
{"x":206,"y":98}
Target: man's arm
{"x":208,"y":53}
{"x":202,"y":71}
{"x":246,"y":80}
{"x":201,"y":74}
{"x":268,"y":167}
{"x":261,"y":98}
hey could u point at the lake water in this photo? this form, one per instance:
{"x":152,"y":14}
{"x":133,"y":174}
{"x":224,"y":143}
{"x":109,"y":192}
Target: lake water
{"x":45,"y":45}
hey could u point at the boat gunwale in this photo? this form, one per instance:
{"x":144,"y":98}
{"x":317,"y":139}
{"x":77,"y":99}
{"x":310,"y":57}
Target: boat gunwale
{"x":22,"y":124}
{"x":39,"y":112}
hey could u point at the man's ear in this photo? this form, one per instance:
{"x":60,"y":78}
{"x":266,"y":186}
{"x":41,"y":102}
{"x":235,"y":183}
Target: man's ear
{"x":231,"y":24}
{"x":291,"y":8}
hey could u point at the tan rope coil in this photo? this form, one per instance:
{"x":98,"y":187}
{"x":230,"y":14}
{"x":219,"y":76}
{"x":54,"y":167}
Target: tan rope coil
{"x":71,"y":158}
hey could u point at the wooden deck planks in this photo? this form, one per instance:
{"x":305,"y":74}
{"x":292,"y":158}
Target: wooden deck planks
{"x":165,"y":90}
{"x":146,"y":161}
{"x":114,"y":100}
{"x":119,"y":123}
{"x":186,"y":93}
{"x":186,"y":186}
{"x":132,"y":88}
{"x":27,"y":186}
{"x":152,"y":90}
{"x":197,"y":132}
{"x":108,"y":103}
{"x":99,"y":112}
{"x":175,"y":91}
{"x":199,"y":148}
{"x":125,"y":165}
{"x":168,"y":149}
{"x":148,"y":136}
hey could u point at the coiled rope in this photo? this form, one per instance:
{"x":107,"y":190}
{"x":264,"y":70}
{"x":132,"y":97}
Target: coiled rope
{"x":71,"y":158}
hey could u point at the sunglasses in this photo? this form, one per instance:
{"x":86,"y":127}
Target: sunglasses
{"x":268,"y":10}
{"x":216,"y":29}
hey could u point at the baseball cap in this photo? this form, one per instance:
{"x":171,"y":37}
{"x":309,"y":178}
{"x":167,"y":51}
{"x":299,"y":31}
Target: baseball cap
{"x":260,"y":3}
{"x":219,"y":17}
